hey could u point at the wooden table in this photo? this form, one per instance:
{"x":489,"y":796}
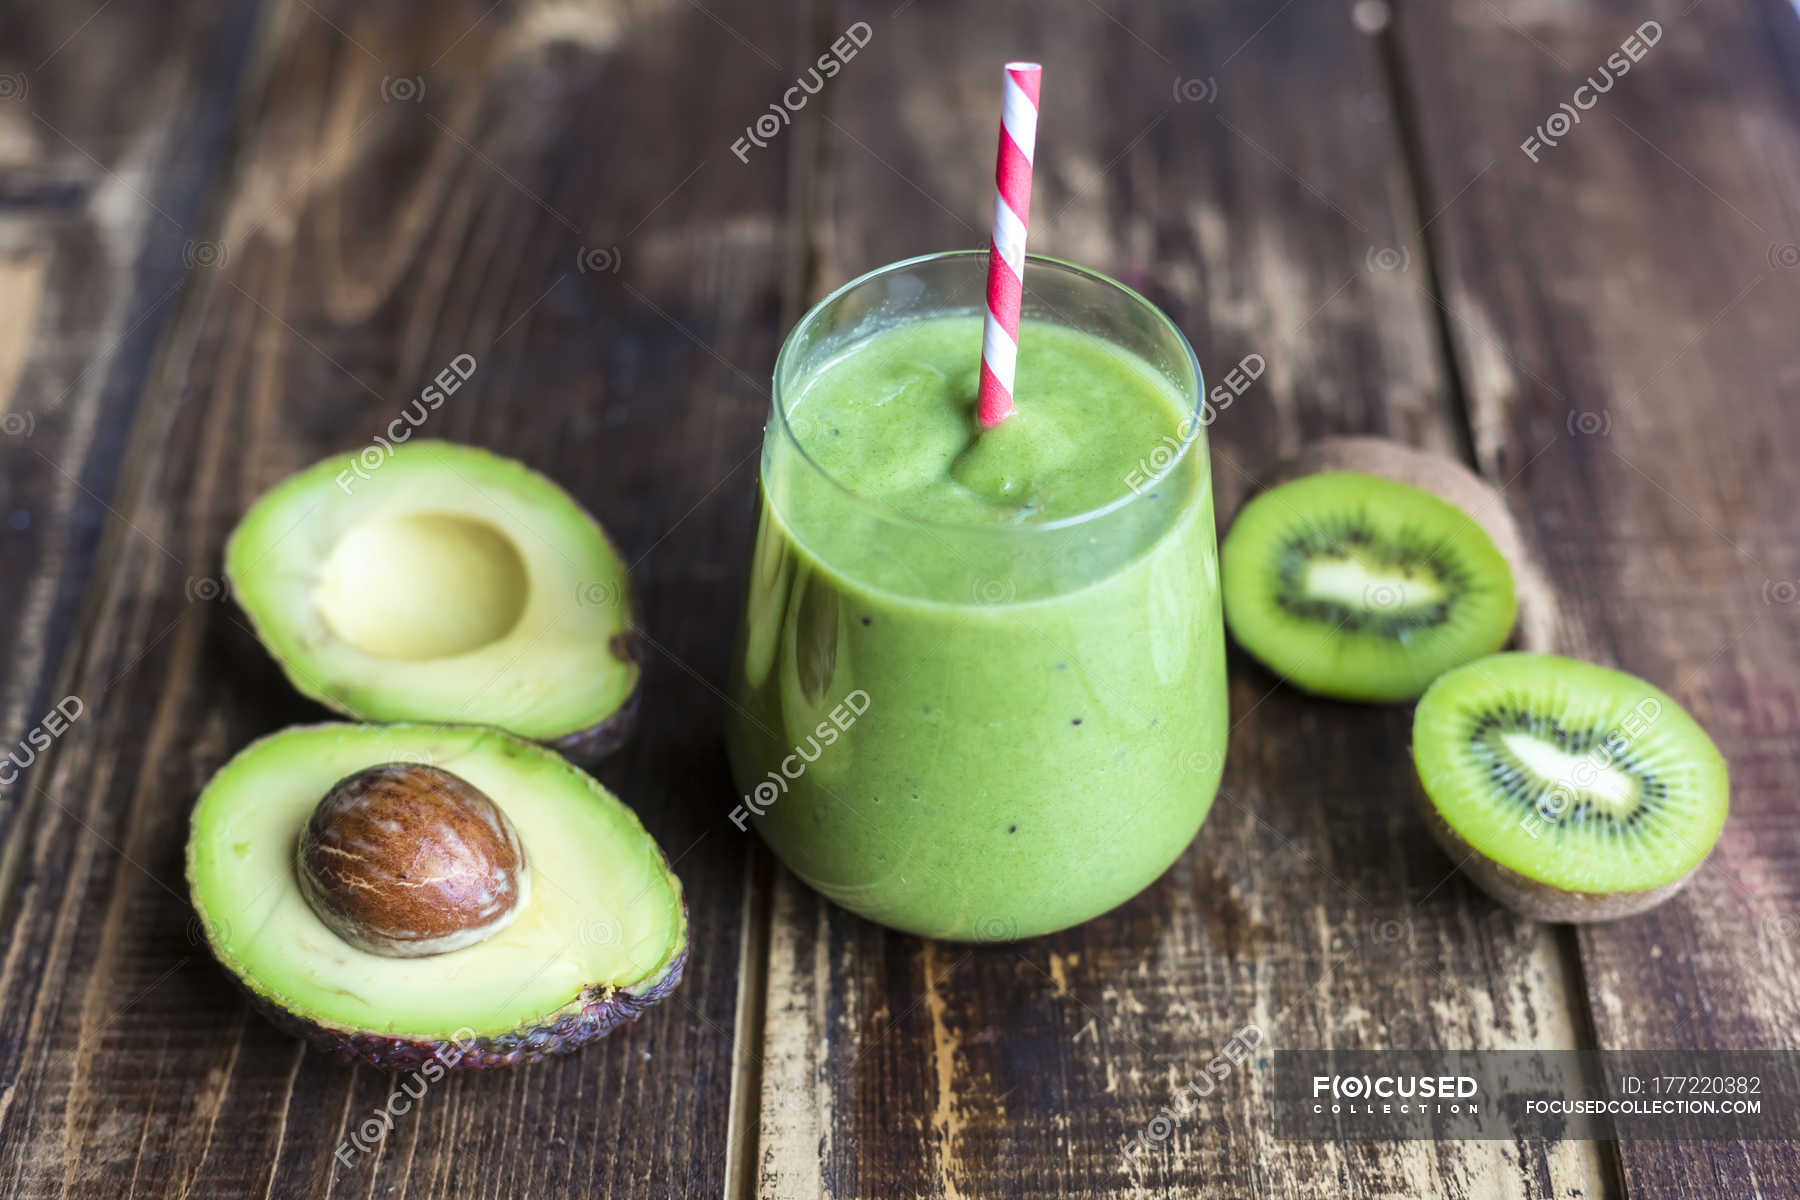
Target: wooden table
{"x":235,"y":237}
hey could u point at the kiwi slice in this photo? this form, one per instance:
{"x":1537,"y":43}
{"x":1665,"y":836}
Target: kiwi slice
{"x":1363,"y":588}
{"x":1567,"y":791}
{"x":1447,"y":479}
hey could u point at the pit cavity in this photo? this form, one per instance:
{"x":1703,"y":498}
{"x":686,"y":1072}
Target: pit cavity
{"x":418,"y":586}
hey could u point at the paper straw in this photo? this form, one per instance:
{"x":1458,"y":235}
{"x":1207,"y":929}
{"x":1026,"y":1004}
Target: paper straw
{"x":1006,"y":250}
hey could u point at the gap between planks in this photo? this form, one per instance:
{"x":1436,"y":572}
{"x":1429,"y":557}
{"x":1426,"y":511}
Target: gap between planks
{"x":743,"y":1131}
{"x":1403,"y":105}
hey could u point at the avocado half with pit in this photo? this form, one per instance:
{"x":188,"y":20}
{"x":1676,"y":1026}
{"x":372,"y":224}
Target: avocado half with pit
{"x":399,"y":894}
{"x":447,"y":585}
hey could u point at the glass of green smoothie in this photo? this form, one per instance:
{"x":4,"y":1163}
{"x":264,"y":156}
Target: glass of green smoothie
{"x":979,"y":688}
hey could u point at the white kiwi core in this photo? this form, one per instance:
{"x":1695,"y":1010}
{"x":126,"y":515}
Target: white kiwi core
{"x":1607,"y":786}
{"x":1358,"y":584}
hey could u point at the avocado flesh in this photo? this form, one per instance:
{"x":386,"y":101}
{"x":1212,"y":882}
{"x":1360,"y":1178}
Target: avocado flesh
{"x":602,"y":935}
{"x":444,"y":585}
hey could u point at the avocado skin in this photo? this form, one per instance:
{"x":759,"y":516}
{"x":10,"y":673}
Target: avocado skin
{"x":587,"y":747}
{"x":588,"y":1019}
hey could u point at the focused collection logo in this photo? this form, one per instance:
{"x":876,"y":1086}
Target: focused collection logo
{"x":838,"y":722}
{"x":1401,"y":1095}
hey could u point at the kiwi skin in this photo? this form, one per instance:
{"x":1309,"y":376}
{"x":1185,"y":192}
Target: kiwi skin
{"x":1455,"y":484}
{"x":1528,"y":897}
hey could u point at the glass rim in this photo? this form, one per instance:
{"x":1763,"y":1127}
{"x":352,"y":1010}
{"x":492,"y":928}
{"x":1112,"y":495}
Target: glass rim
{"x":1190,"y":428}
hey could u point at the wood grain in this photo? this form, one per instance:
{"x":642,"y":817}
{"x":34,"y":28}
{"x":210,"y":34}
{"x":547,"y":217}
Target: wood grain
{"x":1623,"y":312}
{"x":1277,"y":220}
{"x":234,"y":238}
{"x":113,"y":130}
{"x":523,"y":185}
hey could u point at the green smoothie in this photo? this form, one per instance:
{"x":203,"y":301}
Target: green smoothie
{"x":980,"y":687}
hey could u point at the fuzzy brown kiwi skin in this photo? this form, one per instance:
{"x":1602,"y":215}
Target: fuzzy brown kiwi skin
{"x":1450,"y":481}
{"x":1528,"y":897}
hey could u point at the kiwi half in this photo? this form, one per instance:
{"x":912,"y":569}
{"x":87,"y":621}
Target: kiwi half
{"x":1359,"y":587}
{"x":1567,"y":791}
{"x":1447,"y":479}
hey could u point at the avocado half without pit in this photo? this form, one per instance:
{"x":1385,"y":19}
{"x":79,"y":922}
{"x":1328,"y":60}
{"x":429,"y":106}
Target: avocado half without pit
{"x":403,"y":893}
{"x":447,"y":585}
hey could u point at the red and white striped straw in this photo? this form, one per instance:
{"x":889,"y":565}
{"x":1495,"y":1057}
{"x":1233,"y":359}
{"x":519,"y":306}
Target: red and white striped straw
{"x":1006,"y":252}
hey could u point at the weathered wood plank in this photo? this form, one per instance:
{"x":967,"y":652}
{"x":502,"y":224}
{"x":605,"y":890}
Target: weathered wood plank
{"x":1623,"y":310}
{"x":550,"y":189}
{"x":113,"y":129}
{"x":1277,"y":220}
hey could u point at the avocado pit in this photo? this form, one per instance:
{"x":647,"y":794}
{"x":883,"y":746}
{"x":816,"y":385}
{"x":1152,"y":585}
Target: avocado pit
{"x":407,"y":860}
